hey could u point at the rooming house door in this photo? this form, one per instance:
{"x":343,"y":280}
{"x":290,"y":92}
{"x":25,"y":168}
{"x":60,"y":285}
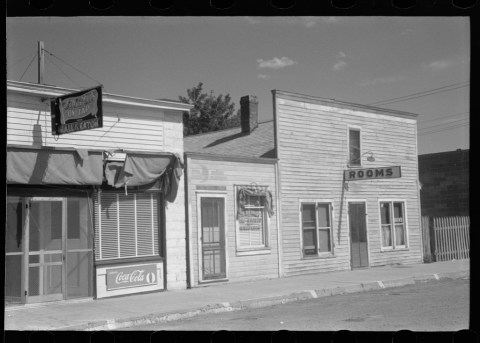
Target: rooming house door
{"x":212,"y":219}
{"x":358,"y":234}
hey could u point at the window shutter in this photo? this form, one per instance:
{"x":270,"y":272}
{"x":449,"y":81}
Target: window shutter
{"x":145,"y":225}
{"x":127,"y":225}
{"x":108,"y":225}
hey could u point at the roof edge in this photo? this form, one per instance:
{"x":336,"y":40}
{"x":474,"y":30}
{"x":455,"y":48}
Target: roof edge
{"x":215,"y":157}
{"x":342,"y":104}
{"x":49,"y":91}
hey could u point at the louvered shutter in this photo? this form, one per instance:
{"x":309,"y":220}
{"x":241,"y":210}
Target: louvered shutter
{"x":108,"y":225}
{"x":145,"y":225}
{"x":127,"y":225}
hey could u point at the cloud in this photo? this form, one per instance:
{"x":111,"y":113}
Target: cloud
{"x":439,"y":65}
{"x":252,"y":20}
{"x":309,"y":21}
{"x":382,"y":80}
{"x":275,"y":63}
{"x":340,"y":65}
{"x":341,"y":54}
{"x":406,"y":32}
{"x":263,"y":76}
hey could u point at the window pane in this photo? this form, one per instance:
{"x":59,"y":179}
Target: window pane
{"x":399,"y":235}
{"x":398,"y":212}
{"x":127,"y":225}
{"x":385,"y":212}
{"x":308,"y":215}
{"x":73,"y":219}
{"x":323,"y":215}
{"x":14,"y":234}
{"x":354,"y":140}
{"x":386,"y":236}
{"x":324,"y":240}
{"x":309,"y":242}
{"x":108,"y":225}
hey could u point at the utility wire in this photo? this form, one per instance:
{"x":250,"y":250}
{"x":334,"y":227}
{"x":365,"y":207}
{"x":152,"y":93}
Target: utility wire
{"x":76,"y":84}
{"x":444,"y":129}
{"x":33,"y":59}
{"x":449,"y":123}
{"x":81,"y":72}
{"x":422,"y":94}
{"x":21,"y":59}
{"x":440,"y":118}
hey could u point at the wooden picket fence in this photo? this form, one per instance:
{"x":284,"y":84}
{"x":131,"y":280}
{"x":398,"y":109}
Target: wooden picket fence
{"x":452,"y":238}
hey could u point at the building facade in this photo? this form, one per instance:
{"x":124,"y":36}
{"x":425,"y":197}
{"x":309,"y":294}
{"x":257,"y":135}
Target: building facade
{"x":232,"y":199}
{"x":98,"y":212}
{"x":348,"y":176}
{"x":444,"y":177}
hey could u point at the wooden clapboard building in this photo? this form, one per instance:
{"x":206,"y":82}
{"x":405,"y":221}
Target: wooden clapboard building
{"x":348,"y":184}
{"x":232,"y":198}
{"x":87,"y":212}
{"x":344,"y":182}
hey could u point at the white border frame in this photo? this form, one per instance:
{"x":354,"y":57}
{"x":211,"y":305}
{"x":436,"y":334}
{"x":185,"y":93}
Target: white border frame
{"x":394,"y":246}
{"x":256,"y":250}
{"x":348,"y":201}
{"x":316,"y":201}
{"x":359,"y":128}
{"x":211,"y":194}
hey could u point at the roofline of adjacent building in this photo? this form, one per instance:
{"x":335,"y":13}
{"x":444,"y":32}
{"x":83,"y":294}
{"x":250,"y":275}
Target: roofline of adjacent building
{"x":445,"y":152}
{"x":48,"y":92}
{"x":342,"y":104}
{"x":216,"y":157}
{"x":222,"y":130}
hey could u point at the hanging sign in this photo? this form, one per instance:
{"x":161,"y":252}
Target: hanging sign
{"x":131,"y":276}
{"x":77,"y":111}
{"x":372,"y":173}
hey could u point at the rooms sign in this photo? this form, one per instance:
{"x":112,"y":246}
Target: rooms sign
{"x":372,"y":173}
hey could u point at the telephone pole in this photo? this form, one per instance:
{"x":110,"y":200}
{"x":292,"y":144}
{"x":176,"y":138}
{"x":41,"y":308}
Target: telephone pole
{"x":40,"y":62}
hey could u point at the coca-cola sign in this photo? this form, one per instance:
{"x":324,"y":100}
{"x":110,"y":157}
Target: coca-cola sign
{"x":132,"y":276}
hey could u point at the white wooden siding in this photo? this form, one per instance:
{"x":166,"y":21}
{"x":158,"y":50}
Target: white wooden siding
{"x":228,"y":174}
{"x":313,"y":154}
{"x":130,"y":128}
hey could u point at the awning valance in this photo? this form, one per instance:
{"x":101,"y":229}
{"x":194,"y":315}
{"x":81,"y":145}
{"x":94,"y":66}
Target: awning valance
{"x":140,"y":169}
{"x":56,"y":167}
{"x":262,"y":192}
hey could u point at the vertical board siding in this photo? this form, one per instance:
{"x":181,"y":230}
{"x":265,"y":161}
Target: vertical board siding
{"x":29,"y":123}
{"x":228,"y":174}
{"x":313,"y":153}
{"x":452,"y":238}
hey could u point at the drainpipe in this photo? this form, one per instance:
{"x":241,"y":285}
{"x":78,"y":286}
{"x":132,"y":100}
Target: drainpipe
{"x":187,"y":221}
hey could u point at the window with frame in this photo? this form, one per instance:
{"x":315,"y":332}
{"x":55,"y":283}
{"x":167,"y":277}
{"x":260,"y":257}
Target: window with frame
{"x":316,"y":228}
{"x":126,"y":226}
{"x":252,"y":223}
{"x":392,"y":215}
{"x":354,"y":147}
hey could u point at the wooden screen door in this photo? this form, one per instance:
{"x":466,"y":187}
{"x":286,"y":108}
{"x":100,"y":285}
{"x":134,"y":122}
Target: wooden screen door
{"x":213,"y":237}
{"x":358,"y":234}
{"x":45,"y":250}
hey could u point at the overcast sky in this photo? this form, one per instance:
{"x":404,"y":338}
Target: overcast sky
{"x":364,"y":60}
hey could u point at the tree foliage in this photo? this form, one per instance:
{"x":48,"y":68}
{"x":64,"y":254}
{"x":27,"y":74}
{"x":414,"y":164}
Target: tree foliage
{"x":210,"y":112}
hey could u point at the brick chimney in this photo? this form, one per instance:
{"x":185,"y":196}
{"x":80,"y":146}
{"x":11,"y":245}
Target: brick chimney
{"x":248,"y":113}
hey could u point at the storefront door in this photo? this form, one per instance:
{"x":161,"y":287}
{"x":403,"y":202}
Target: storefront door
{"x":358,"y":234}
{"x":49,"y":253}
{"x":45,"y":249}
{"x":213,"y":237}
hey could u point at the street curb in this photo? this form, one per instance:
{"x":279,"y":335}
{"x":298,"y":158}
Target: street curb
{"x":156,"y":318}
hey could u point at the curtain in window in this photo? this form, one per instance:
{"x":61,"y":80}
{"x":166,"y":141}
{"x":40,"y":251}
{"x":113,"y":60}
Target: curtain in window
{"x":264,"y":194}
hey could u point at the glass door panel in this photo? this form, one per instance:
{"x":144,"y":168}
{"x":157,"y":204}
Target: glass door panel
{"x":45,"y":250}
{"x":213,"y":238}
{"x":14,"y":246}
{"x":79,"y":263}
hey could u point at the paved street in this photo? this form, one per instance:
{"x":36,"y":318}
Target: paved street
{"x":432,"y":306}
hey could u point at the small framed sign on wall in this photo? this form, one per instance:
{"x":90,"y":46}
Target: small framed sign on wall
{"x":77,"y":111}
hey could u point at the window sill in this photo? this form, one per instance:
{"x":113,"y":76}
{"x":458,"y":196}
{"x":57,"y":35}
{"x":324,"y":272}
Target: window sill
{"x":131,"y":260}
{"x":202,"y":282}
{"x":392,"y":249}
{"x":255,"y":251}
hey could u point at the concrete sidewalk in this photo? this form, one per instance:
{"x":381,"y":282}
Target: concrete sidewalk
{"x":128,"y":311}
